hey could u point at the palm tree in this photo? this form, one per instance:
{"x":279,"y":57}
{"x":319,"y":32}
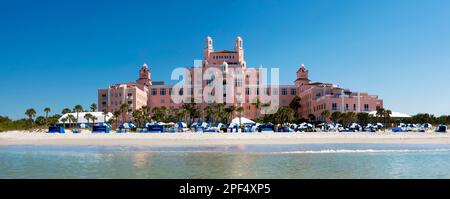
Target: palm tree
{"x":156,"y":114}
{"x":190,"y":110}
{"x":138,"y":116}
{"x":283,"y":115}
{"x":145,"y":113}
{"x":209,"y":112}
{"x":30,"y":113}
{"x":336,"y":116}
{"x":65,"y":111}
{"x":78,"y":109}
{"x":229,"y":110}
{"x":363,"y":118}
{"x":219,"y":113}
{"x":88,"y":117}
{"x":105,"y":113}
{"x":93,"y":118}
{"x":116,"y":117}
{"x":171,"y":114}
{"x":325,"y":114}
{"x":197,"y":114}
{"x":71,"y":119}
{"x":163,"y":110}
{"x":64,"y":120}
{"x":47,"y":110}
{"x":380,"y":112}
{"x":240,"y":109}
{"x":124,"y":110}
{"x":257,"y":106}
{"x":295,"y":104}
{"x":177,"y":113}
{"x":387,"y":117}
{"x":348,"y":118}
{"x":93,"y":107}
{"x":185,"y":114}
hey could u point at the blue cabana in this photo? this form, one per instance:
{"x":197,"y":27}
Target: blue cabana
{"x":149,"y":124}
{"x":398,"y":130}
{"x":379,"y":125}
{"x":355,"y":127}
{"x":402,"y":125}
{"x":441,"y":129}
{"x":214,"y":128}
{"x":181,"y":127}
{"x":127,"y":126}
{"x":304,"y":126}
{"x":285,"y":129}
{"x":427,"y":125}
{"x":104,"y":124}
{"x":248,"y":128}
{"x":233,"y":127}
{"x":371,"y":128}
{"x":204,"y":124}
{"x":155,"y":128}
{"x":56,"y":129}
{"x":266,"y":128}
{"x":123,"y":128}
{"x":100,"y":129}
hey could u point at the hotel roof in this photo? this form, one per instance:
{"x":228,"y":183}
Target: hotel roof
{"x":224,"y":51}
{"x":99,"y":115}
{"x":393,"y":114}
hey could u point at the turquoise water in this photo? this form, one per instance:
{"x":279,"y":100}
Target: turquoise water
{"x":242,"y":161}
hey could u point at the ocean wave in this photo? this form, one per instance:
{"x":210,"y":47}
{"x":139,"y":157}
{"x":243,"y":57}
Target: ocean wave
{"x":363,"y":151}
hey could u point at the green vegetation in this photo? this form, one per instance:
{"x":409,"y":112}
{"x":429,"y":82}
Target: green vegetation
{"x":33,"y":121}
{"x":7,"y":124}
{"x":216,"y":112}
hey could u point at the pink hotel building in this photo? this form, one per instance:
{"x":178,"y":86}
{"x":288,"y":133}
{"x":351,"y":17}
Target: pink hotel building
{"x":315,"y":96}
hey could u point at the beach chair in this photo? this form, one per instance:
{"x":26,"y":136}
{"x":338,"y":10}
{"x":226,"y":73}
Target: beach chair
{"x":121,"y":131}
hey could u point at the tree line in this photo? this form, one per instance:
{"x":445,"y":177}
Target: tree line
{"x":213,"y":113}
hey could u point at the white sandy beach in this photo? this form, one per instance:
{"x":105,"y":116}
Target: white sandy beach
{"x":206,"y":139}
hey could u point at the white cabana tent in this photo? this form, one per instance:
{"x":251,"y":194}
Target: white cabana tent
{"x":243,"y":121}
{"x":393,"y":114}
{"x":99,"y":115}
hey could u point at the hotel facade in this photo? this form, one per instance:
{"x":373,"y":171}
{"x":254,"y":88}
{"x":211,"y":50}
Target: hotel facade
{"x":223,"y":77}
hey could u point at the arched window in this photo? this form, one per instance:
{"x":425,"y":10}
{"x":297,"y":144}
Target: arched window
{"x":225,"y":67}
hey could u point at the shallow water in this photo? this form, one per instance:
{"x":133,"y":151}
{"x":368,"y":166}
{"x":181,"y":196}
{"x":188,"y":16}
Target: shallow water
{"x":236,"y":161}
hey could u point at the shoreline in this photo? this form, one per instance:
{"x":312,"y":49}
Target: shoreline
{"x":217,"y":139}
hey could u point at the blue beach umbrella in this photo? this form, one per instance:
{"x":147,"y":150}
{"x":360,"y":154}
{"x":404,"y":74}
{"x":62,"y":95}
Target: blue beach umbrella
{"x":181,"y":125}
{"x":355,"y":126}
{"x":427,"y":125}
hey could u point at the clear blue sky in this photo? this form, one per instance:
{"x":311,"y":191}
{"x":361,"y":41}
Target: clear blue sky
{"x":58,"y":53}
